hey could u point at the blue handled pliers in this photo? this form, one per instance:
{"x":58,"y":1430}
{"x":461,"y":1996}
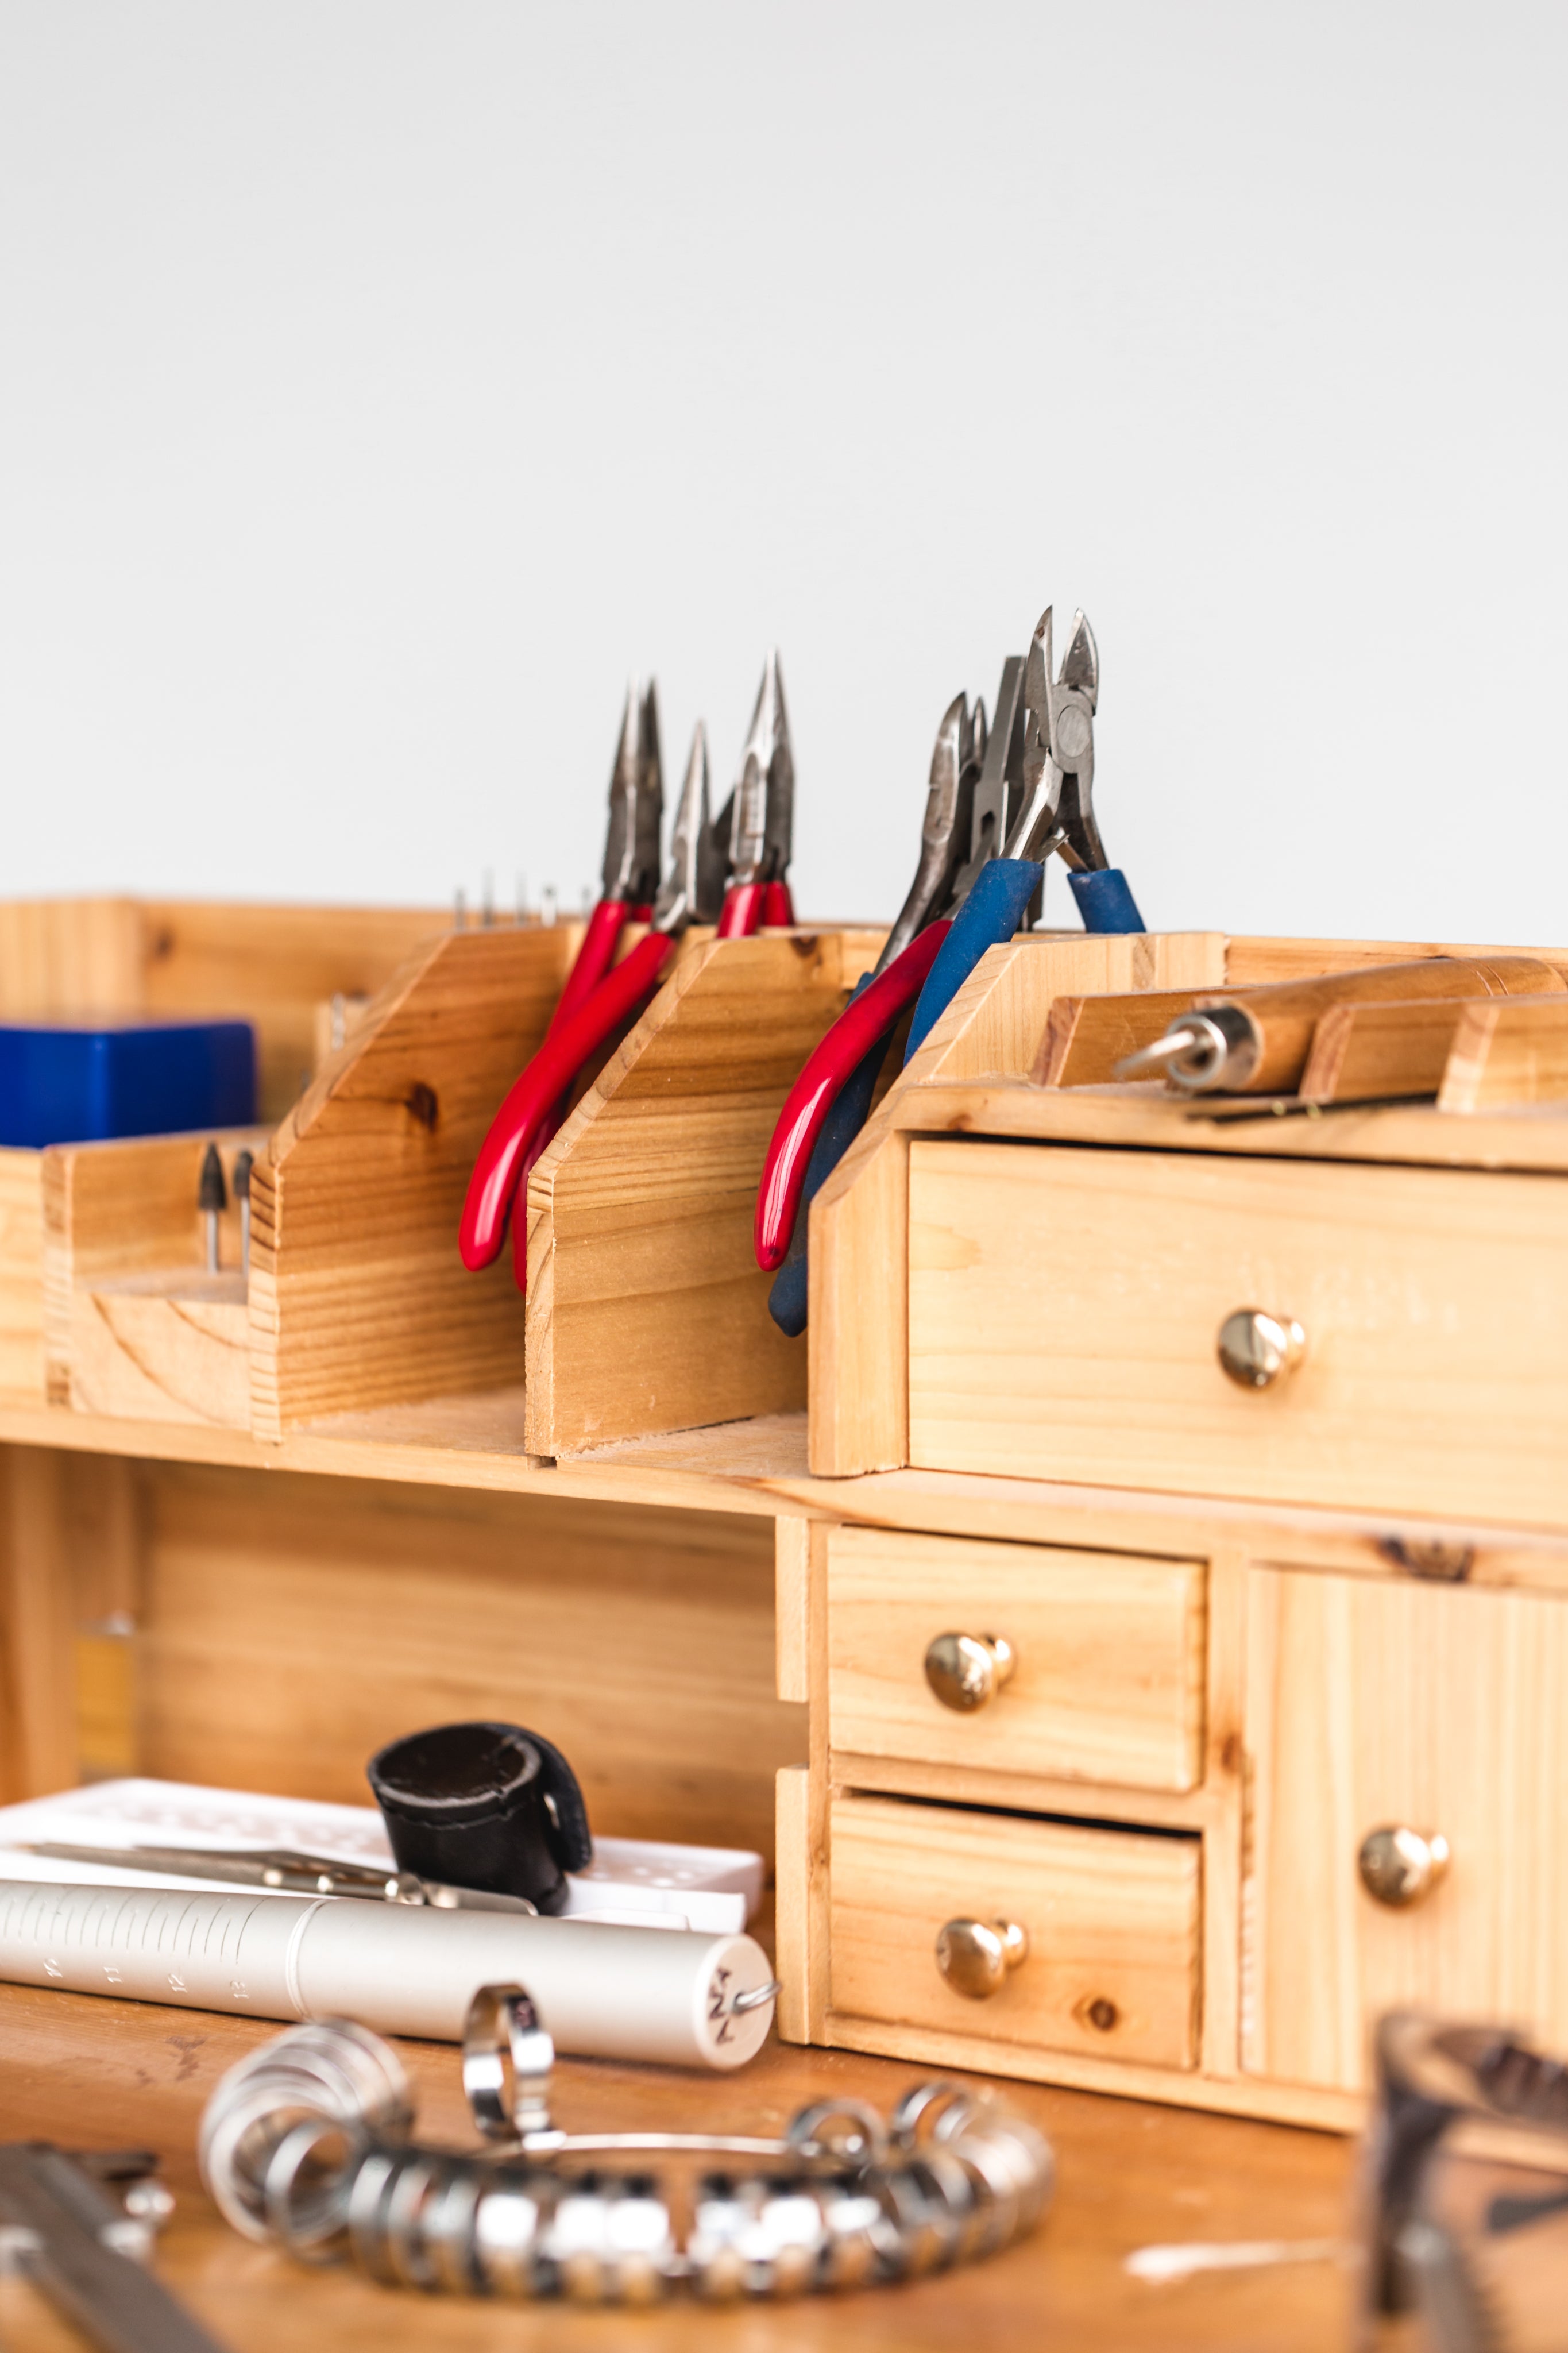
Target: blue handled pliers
{"x":1033,"y":795}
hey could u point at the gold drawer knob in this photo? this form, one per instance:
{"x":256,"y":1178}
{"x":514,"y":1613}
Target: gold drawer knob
{"x":975,"y":1956}
{"x":1399,"y":1866}
{"x":966,"y":1670}
{"x":1257,"y":1350}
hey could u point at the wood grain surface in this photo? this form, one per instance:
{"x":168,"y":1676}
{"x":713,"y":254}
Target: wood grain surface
{"x":1433,"y":1303}
{"x":1109,"y":1680}
{"x":102,"y":2074}
{"x":1427,"y":1706}
{"x":1111,"y":1918}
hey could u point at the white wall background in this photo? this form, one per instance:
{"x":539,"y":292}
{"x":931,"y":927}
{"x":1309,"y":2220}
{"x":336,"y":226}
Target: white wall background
{"x":380,"y":382}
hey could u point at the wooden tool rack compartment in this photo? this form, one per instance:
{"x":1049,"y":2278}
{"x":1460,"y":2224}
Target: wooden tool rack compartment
{"x":1220,"y":1642}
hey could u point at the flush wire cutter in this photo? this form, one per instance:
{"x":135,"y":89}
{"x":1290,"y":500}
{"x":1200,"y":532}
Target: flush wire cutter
{"x":1033,"y":796}
{"x":757,"y":826}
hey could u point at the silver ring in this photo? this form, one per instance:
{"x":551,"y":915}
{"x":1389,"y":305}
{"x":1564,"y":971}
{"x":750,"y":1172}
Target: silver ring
{"x":507,"y":2060}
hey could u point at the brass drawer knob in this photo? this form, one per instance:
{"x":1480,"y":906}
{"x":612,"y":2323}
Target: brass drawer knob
{"x":1257,"y":1350}
{"x":966,"y":1670}
{"x":1399,"y":1866}
{"x":975,"y":1956}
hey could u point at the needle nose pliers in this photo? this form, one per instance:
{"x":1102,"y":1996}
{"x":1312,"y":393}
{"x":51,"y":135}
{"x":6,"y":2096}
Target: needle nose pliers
{"x":1033,"y":796}
{"x":754,"y":835}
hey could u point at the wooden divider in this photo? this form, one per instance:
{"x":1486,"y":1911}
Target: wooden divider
{"x":645,"y":1309}
{"x":358,"y":1297}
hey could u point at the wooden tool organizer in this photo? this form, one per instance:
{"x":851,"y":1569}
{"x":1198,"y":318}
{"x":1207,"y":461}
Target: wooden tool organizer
{"x":1247,"y":1629}
{"x":1230,"y":1659}
{"x":645,"y":1310}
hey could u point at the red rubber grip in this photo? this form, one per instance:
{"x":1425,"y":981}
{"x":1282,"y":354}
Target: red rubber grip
{"x":864,"y":1020}
{"x":778,"y":909}
{"x":593,"y":960}
{"x":743,"y":910}
{"x":504,"y":1152}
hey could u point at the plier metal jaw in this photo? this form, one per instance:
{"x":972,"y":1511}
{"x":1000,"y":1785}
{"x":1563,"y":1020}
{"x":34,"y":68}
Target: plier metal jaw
{"x":957,"y":760}
{"x":761,"y":822}
{"x":692,"y":891}
{"x":1057,"y":808}
{"x":630,"y":873}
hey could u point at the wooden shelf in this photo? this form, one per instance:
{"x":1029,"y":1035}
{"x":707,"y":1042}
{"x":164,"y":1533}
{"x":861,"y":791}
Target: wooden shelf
{"x":758,"y":1468}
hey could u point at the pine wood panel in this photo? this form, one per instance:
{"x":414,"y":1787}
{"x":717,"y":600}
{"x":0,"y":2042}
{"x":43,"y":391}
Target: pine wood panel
{"x":646,"y":1308}
{"x":293,"y":1625}
{"x":173,"y":1346}
{"x":1507,"y":1053}
{"x":1434,"y":1304}
{"x":358,"y":1296}
{"x":1109,"y":1681}
{"x":21,"y":1274}
{"x":1370,"y":1050}
{"x":121,"y":1209}
{"x":1112,"y":1919}
{"x":1434,"y":1708}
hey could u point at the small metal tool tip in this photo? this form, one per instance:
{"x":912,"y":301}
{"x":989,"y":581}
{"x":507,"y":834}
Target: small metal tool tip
{"x":244,"y":1163}
{"x":212,"y":1195}
{"x":1192,"y":1055}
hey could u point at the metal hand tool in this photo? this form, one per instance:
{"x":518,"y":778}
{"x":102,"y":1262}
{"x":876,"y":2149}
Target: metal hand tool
{"x":629,"y":874}
{"x":959,"y":761}
{"x":1257,"y":1041}
{"x":1033,"y":796}
{"x":62,"y":2229}
{"x":288,"y":1874}
{"x":690,"y":894}
{"x":762,"y":817}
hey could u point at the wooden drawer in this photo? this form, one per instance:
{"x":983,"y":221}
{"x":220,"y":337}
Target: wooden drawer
{"x":1108,"y":1682}
{"x":1065,"y":1306}
{"x":1375,"y":1705}
{"x":1111,"y":1918}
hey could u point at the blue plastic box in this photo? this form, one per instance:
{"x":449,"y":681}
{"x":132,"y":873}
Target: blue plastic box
{"x":81,"y":1083}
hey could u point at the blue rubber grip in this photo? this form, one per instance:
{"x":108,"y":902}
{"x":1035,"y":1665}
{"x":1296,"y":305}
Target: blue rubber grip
{"x":788,"y":1301}
{"x":991,"y":912}
{"x":1105,"y":902}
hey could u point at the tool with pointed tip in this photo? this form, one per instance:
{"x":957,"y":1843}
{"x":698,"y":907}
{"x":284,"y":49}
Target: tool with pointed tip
{"x":243,"y":1165}
{"x":762,"y":817}
{"x":1033,"y":795}
{"x":958,"y":762}
{"x":212,"y":1200}
{"x":85,"y":2250}
{"x":286,"y":1873}
{"x":689,"y":893}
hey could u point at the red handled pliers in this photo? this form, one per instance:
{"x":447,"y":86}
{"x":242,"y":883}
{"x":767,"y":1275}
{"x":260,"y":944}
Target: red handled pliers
{"x":757,"y":824}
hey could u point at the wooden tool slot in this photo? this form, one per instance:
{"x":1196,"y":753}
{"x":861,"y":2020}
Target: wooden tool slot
{"x":646,"y":1308}
{"x":1106,"y":1679}
{"x":1065,"y":1309}
{"x":1111,"y":1918}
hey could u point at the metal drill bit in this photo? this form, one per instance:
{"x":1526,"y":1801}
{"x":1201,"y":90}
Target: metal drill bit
{"x":243,"y":1166}
{"x":212,"y":1199}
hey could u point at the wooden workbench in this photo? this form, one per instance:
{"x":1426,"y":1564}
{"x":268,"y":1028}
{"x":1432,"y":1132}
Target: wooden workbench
{"x":81,"y":2071}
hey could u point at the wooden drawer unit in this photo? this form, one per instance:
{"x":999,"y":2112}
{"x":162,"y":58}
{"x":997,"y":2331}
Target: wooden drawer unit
{"x":1379,"y":1706}
{"x":1111,"y":1918}
{"x":1065,"y":1308}
{"x":1107,"y":1673}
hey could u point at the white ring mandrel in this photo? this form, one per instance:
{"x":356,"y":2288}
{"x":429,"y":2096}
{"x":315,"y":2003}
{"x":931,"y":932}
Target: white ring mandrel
{"x":609,"y":1992}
